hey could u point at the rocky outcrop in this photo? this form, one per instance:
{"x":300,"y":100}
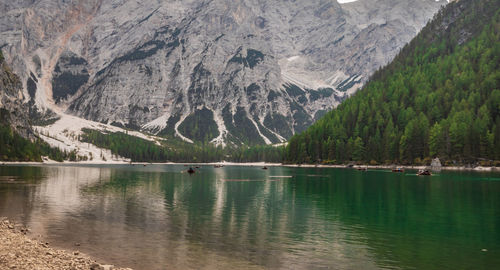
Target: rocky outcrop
{"x":245,"y":71}
{"x":12,"y":110}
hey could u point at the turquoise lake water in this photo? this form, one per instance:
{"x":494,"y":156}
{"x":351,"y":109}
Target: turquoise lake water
{"x":157,"y":217}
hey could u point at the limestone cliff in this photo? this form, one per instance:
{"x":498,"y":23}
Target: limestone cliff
{"x":226,"y":71}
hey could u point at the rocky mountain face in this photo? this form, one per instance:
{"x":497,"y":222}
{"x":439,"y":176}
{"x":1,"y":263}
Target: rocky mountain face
{"x":225,"y":71}
{"x":12,"y":110}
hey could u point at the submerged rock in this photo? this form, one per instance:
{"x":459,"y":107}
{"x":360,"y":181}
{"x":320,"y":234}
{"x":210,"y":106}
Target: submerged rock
{"x":436,"y":164}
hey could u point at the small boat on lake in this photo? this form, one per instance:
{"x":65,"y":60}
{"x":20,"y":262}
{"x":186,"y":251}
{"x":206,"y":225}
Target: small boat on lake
{"x":361,"y":168}
{"x":424,"y":172}
{"x":264,"y":168}
{"x":398,"y":170}
{"x":190,"y":170}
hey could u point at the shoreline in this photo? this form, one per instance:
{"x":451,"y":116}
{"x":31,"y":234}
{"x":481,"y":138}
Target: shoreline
{"x":18,"y":251}
{"x":254,"y":164}
{"x":405,"y":167}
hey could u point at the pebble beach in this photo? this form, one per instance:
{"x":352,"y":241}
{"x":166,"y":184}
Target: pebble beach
{"x":18,"y":251}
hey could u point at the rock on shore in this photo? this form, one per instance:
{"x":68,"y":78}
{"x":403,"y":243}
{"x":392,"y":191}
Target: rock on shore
{"x":17,"y":251}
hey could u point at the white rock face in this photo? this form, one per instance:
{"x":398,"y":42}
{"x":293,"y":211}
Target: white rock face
{"x":226,"y":71}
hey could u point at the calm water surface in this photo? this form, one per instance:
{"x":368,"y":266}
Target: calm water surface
{"x":156,"y":217}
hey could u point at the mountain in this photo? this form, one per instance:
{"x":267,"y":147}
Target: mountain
{"x":12,"y":110}
{"x":18,"y":141}
{"x":238,"y":72}
{"x":440,"y":97}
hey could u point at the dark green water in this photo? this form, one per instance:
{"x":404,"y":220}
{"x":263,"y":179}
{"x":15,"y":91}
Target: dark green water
{"x":156,"y":217}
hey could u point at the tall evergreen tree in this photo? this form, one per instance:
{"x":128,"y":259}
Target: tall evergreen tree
{"x":440,"y":97}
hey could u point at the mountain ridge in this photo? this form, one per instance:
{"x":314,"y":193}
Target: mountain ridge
{"x":153,"y":65}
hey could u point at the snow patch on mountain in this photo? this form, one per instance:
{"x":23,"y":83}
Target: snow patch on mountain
{"x":158,"y":124}
{"x":177,"y":133}
{"x":266,"y":139}
{"x":65,"y":134}
{"x":220,"y":140}
{"x":280,"y":138}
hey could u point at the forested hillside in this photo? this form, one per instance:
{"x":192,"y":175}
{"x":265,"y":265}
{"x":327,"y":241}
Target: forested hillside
{"x":440,"y":97}
{"x":176,"y":150}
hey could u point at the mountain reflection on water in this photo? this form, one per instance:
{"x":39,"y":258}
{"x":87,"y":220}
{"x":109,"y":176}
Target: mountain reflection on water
{"x":157,"y":217}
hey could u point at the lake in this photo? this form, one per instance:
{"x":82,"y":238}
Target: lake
{"x":157,"y":217}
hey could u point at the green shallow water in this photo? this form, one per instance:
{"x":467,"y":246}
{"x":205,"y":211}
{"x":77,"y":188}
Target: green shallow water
{"x":157,"y":217}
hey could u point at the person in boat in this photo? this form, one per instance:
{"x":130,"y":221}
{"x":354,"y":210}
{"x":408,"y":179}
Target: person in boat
{"x":190,"y":170}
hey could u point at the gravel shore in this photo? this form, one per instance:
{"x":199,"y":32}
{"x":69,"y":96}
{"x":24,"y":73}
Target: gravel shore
{"x":17,"y":251}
